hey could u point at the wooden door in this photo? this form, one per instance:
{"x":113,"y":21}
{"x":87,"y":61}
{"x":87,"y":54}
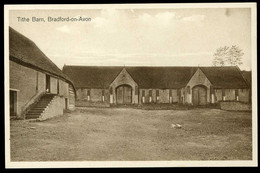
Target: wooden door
{"x":124,"y":94}
{"x":199,"y":95}
{"x":13,"y":103}
{"x":202,"y":96}
{"x":119,"y":95}
{"x":127,"y":95}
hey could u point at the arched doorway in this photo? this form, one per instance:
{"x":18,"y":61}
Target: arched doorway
{"x":124,"y":94}
{"x":199,"y":95}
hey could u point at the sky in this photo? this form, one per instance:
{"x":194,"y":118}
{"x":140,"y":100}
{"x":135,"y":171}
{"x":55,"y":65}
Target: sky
{"x":138,"y":37}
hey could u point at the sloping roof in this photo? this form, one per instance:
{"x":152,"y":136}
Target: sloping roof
{"x":145,"y":77}
{"x":225,"y":77}
{"x":161,"y":77}
{"x":247,"y":76}
{"x":91,"y":77}
{"x":24,"y":51}
{"x":153,"y":77}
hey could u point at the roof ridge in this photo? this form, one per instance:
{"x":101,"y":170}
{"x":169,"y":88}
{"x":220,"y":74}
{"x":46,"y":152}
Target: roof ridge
{"x":149,"y":66}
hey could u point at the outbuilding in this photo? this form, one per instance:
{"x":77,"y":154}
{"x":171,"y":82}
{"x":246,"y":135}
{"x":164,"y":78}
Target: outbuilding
{"x":146,"y":85}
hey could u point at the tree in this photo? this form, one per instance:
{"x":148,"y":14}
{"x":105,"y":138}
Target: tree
{"x":228,"y":56}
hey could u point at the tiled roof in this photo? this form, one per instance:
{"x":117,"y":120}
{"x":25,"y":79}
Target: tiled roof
{"x":225,"y":77}
{"x":24,"y":51}
{"x":153,"y":77}
{"x":145,"y":77}
{"x":91,"y":77}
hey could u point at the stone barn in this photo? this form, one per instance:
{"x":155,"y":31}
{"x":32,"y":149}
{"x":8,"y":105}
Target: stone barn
{"x":38,"y":88}
{"x":146,"y":85}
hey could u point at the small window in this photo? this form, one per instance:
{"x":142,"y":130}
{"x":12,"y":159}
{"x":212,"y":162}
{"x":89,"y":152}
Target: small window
{"x":111,"y":90}
{"x":143,"y":93}
{"x":150,"y":93}
{"x":236,"y":92}
{"x":170,"y":92}
{"x":88,"y":95}
{"x":157,"y":93}
{"x":103,"y":96}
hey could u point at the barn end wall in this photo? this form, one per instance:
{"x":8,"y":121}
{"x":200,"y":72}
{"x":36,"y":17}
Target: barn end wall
{"x":198,"y":78}
{"x":124,"y":78}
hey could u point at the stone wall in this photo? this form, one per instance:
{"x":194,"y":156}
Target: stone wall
{"x":24,"y":80}
{"x":230,"y":94}
{"x":71,"y":98}
{"x":164,"y":96}
{"x":63,"y":88}
{"x":218,"y":95}
{"x":55,"y":108}
{"x":95,"y":95}
{"x":235,"y":106}
{"x":30,"y":84}
{"x":83,"y":103}
{"x":243,"y":95}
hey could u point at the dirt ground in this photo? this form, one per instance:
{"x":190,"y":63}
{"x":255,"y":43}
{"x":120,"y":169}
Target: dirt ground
{"x":126,"y":134}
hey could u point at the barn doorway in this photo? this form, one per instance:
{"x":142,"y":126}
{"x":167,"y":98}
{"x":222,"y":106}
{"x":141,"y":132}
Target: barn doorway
{"x":199,"y":95}
{"x":124,"y":94}
{"x":48,"y":83}
{"x":13,"y":103}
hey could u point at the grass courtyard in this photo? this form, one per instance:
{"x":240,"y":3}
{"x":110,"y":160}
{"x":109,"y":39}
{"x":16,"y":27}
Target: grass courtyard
{"x":127,"y":134}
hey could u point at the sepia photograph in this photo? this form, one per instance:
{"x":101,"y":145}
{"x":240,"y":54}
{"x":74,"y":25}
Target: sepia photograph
{"x":130,"y":85}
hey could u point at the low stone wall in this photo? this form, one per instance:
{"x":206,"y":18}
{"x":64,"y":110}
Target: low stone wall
{"x":81,"y":103}
{"x":55,"y":108}
{"x":235,"y":106}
